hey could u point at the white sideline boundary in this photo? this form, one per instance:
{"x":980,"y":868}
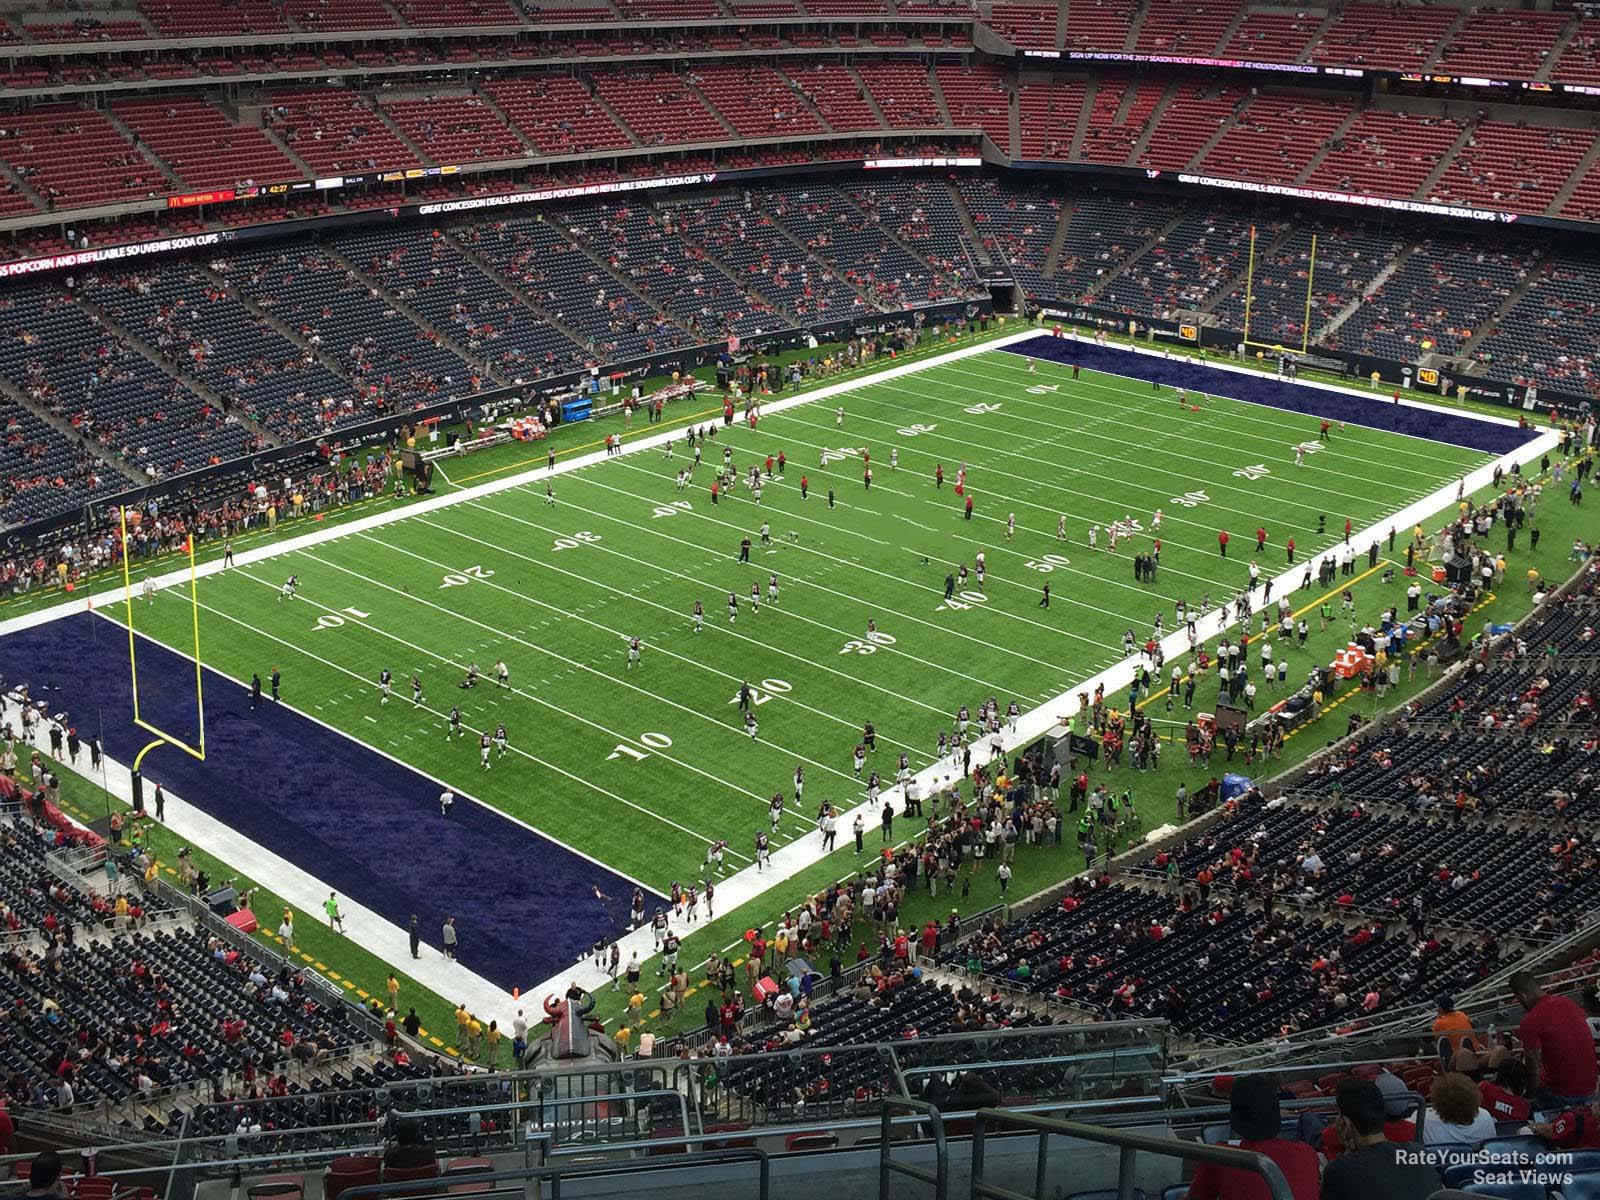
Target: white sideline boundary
{"x":489,"y":1001}
{"x":305,"y":893}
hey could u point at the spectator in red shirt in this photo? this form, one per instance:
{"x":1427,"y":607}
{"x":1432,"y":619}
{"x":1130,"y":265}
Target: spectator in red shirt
{"x":1575,"y":1129}
{"x":1559,"y":1047}
{"x":1506,"y":1095}
{"x":1256,"y":1122}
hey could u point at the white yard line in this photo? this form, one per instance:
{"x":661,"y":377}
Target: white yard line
{"x":391,"y":943}
{"x":110,"y":590}
{"x":748,"y":884}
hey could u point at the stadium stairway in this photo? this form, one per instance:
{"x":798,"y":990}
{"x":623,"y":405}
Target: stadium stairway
{"x":1157,"y":115}
{"x":412,"y":315}
{"x":288,"y":333}
{"x":1131,"y":260}
{"x":1057,"y":241}
{"x":1531,"y":276}
{"x":142,"y":147}
{"x":1463,"y":139}
{"x":487,"y":96}
{"x":520,"y":296}
{"x":1447,"y":38}
{"x":1579,"y":174}
{"x":606,"y":107}
{"x":393,"y":126}
{"x":979,"y":252}
{"x":866,"y":94}
{"x":73,"y":435}
{"x":1372,"y":285}
{"x":1327,"y":145}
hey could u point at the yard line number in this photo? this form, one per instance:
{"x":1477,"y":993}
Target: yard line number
{"x":765,"y":690}
{"x":334,"y":620}
{"x":466,"y":576}
{"x":1048,"y":562}
{"x":869,"y":644}
{"x":582,"y":538}
{"x":655,"y":741}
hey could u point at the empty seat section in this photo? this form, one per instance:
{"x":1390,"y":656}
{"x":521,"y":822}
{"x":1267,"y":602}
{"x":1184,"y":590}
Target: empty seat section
{"x":1348,"y":259}
{"x":659,"y":106}
{"x":557,"y":114}
{"x":1118,"y":118}
{"x":88,"y":29}
{"x":75,"y":157}
{"x":336,"y":131}
{"x":389,"y":355}
{"x":1368,"y":35}
{"x":212,"y":18}
{"x":64,"y":359}
{"x":1579,"y":61}
{"x":1098,"y":24}
{"x":1016,"y":226}
{"x":1272,"y":36}
{"x":1548,"y":337}
{"x":462,"y":302}
{"x":1190,"y":119}
{"x":201,"y":146}
{"x":455,"y":129}
{"x":536,"y":258}
{"x":1385,"y":153}
{"x":1274,"y":138}
{"x":1027,"y":26}
{"x":1502,"y":45}
{"x":200,"y":329}
{"x":330,"y":15}
{"x":749,"y":239}
{"x":1517,"y":166}
{"x":755,"y":99}
{"x":1048,"y":116}
{"x":645,"y":249}
{"x":902,"y":92}
{"x":443,"y":14}
{"x":1438,"y":295}
{"x":1102,"y":232}
{"x":978,"y":97}
{"x":1199,"y":257}
{"x":834,"y":90}
{"x":1191,"y":28}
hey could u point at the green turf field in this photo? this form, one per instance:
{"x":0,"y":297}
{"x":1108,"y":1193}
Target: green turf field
{"x":640,"y":768}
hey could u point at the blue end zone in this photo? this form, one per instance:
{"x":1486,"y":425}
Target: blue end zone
{"x":366,"y":825}
{"x":1375,"y":413}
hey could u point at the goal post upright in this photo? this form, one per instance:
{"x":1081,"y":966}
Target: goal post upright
{"x":162,"y":737}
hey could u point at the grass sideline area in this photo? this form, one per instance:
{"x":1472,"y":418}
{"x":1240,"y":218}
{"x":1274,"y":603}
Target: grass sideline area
{"x":569,"y":440}
{"x":639,"y":765}
{"x":1034,"y":868}
{"x":1037,"y":869}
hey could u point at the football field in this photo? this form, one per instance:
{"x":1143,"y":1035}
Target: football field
{"x":640,"y":767}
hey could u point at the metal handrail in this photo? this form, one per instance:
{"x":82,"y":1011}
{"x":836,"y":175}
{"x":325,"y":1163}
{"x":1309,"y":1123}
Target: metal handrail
{"x":420,"y":1189}
{"x":939,"y":1177}
{"x":1130,"y":1145}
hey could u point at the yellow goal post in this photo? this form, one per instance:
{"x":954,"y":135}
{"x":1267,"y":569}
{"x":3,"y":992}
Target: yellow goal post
{"x":163,"y":738}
